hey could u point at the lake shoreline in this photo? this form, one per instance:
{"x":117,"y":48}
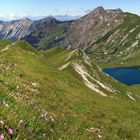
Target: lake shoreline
{"x":126,"y":75}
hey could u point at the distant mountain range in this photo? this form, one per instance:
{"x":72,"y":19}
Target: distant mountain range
{"x":82,"y":32}
{"x":94,"y":33}
{"x":17,"y":29}
{"x":66,"y":17}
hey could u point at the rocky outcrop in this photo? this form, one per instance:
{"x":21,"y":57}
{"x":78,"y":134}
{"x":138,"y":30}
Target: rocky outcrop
{"x":83,"y":33}
{"x":18,"y":29}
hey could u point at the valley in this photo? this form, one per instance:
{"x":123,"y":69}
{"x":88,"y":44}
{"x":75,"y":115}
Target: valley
{"x":52,"y":84}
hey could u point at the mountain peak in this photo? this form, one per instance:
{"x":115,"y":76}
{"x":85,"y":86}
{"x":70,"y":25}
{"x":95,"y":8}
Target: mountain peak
{"x":99,"y":9}
{"x":115,"y":10}
{"x":49,"y":18}
{"x":26,"y":19}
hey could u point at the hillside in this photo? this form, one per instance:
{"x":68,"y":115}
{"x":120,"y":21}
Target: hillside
{"x":121,"y":44}
{"x":105,"y":35}
{"x":80,"y":33}
{"x":84,"y":32}
{"x":60,"y":94}
{"x":18,"y":29}
{"x":47,"y":37}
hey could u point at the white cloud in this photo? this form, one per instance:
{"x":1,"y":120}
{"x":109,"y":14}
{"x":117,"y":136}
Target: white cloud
{"x":17,"y":16}
{"x":67,"y":15}
{"x":13,"y":16}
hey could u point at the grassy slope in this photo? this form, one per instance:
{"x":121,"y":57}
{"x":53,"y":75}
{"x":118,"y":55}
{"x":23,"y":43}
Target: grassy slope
{"x":74,"y":107}
{"x":113,"y":52}
{"x":130,"y":60}
{"x":121,"y":45}
{"x":48,"y":37}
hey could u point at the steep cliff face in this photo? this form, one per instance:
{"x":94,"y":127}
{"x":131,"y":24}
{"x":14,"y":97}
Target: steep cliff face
{"x":15,"y":29}
{"x":87,"y":30}
{"x":18,"y":29}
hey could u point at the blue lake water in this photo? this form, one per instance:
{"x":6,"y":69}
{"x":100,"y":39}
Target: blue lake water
{"x":126,"y":75}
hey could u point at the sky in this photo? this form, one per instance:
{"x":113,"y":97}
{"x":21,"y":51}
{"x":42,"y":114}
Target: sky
{"x":16,"y":9}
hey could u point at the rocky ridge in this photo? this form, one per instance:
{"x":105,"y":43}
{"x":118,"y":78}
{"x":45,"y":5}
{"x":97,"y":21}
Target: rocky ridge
{"x":84,"y":32}
{"x":15,"y":30}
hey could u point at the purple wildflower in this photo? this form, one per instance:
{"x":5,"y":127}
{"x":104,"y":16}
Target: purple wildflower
{"x":10,"y":131}
{"x":1,"y":137}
